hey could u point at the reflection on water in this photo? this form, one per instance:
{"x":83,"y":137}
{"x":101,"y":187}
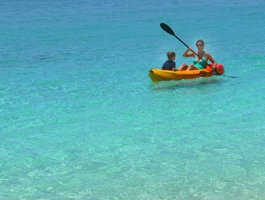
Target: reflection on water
{"x":187,"y":84}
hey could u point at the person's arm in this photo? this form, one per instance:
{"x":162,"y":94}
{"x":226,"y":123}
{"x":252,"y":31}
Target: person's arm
{"x":188,"y":53}
{"x":212,"y":60}
{"x":164,"y":66}
{"x":174,"y":67}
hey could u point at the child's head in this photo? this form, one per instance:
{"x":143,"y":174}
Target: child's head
{"x":171,"y":55}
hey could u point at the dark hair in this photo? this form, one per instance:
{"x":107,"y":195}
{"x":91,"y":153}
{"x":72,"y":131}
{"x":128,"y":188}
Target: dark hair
{"x":200,"y":41}
{"x":171,"y":54}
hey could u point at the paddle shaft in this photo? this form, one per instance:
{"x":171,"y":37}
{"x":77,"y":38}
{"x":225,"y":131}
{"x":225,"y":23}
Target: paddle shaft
{"x":183,"y":42}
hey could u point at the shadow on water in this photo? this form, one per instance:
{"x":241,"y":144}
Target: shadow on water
{"x":186,"y":84}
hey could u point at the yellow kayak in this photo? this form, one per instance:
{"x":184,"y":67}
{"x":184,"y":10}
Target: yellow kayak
{"x":167,"y":75}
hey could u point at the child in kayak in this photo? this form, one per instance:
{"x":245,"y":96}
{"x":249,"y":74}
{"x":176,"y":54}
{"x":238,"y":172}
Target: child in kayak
{"x":198,"y":62}
{"x":170,"y":63}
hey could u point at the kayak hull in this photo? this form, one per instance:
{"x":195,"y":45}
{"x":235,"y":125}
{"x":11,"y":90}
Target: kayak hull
{"x":167,"y":75}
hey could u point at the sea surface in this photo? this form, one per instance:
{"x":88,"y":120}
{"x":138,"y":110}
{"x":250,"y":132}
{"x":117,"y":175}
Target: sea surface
{"x":81,"y":119}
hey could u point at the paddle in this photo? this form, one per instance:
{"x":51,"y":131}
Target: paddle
{"x":167,"y":29}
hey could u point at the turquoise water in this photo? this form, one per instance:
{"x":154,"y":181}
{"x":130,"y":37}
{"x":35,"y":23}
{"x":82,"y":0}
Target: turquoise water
{"x":80,"y":118}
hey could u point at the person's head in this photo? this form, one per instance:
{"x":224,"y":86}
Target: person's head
{"x":171,"y":55}
{"x":200,"y":44}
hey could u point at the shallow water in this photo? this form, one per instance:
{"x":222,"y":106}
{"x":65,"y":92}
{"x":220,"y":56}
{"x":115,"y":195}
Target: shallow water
{"x":80,"y":118}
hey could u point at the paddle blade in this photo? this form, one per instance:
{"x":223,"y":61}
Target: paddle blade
{"x":230,"y":76}
{"x":167,"y":29}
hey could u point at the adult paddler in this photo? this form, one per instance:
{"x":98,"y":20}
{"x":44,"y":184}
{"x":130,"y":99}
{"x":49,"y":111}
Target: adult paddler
{"x":201,"y":61}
